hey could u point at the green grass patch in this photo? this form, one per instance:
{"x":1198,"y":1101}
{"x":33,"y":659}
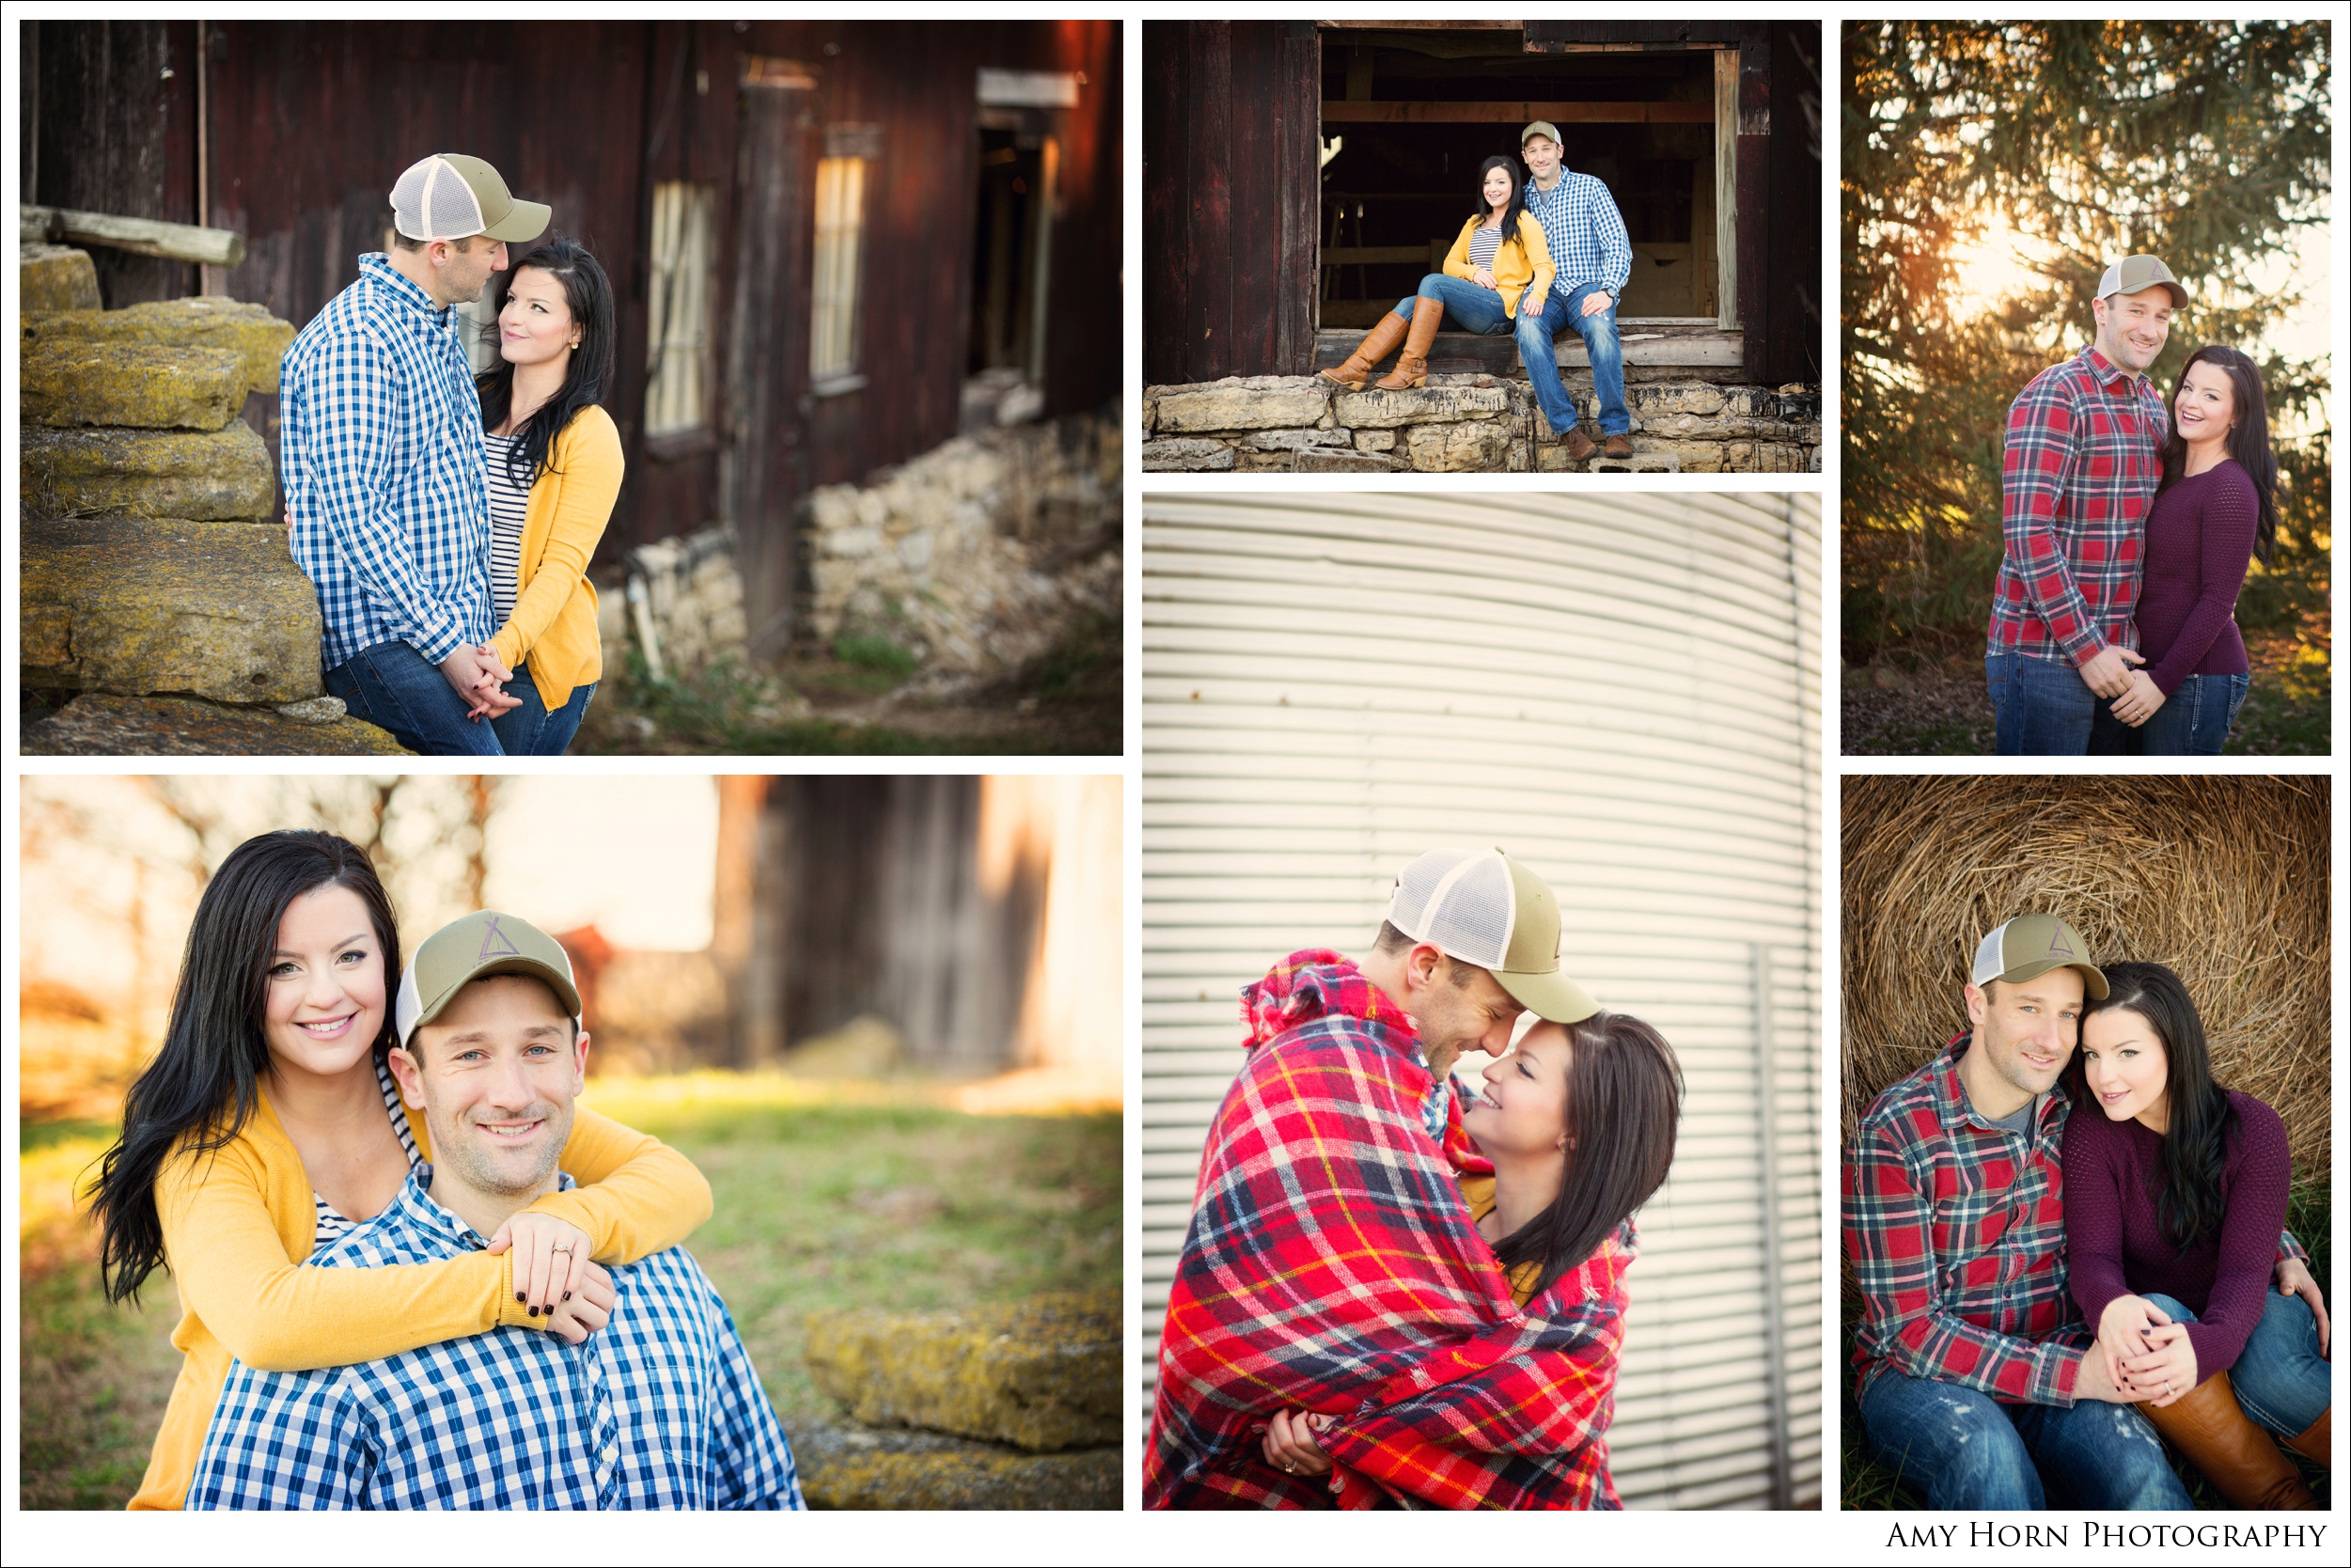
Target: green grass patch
{"x":871,"y":651}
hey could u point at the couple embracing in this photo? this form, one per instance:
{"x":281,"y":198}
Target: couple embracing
{"x":2064,"y":1233}
{"x":1399,"y":1291}
{"x":447,"y":520}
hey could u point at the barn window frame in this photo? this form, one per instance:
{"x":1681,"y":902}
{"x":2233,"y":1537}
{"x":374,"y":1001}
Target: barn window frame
{"x":678,"y":337}
{"x":837,"y":272}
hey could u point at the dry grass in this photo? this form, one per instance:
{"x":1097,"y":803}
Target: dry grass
{"x":2225,"y":880}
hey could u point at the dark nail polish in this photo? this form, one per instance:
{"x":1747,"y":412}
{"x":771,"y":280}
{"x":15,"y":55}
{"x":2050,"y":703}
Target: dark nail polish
{"x":567,"y":1295}
{"x":518,"y":1295}
{"x":534,"y":1311}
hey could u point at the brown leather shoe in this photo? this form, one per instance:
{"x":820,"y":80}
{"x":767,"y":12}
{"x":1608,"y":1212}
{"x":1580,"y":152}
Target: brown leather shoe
{"x":1579,"y":446}
{"x":1376,"y":345}
{"x":2317,"y":1442}
{"x":2213,"y":1433}
{"x":1619,"y":446}
{"x":1412,"y":366}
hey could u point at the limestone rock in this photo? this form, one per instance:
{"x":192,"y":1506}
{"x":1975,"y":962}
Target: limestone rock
{"x":1375,"y":441}
{"x":137,"y":605}
{"x":1687,"y":398}
{"x":1639,"y":462}
{"x":70,"y":381}
{"x":1186,"y":457}
{"x":1696,"y":457}
{"x":316,"y":709}
{"x":247,"y":331}
{"x":1371,"y":409}
{"x":1458,"y":449}
{"x":100,"y":723}
{"x":1262,"y":463}
{"x":1290,"y":441}
{"x":55,"y":277}
{"x":78,"y":473}
{"x":849,"y":1467}
{"x":1039,"y":1374}
{"x":1232,"y":404}
{"x":1323,"y":459}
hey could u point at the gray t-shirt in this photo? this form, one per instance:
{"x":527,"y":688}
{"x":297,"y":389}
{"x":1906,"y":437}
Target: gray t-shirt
{"x":2019,"y":1120}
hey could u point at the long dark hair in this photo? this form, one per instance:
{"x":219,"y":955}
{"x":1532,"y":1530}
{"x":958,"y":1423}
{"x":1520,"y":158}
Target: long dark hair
{"x":204,"y":1084}
{"x":2247,"y":438}
{"x":588,"y":294}
{"x":1623,"y":1106}
{"x":1511,"y":209}
{"x":2195,"y":1141}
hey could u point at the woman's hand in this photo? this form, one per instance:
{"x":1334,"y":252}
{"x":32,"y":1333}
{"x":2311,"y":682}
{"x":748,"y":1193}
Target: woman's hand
{"x":486,"y":700}
{"x":2137,"y":705}
{"x":1290,"y":1443}
{"x":2121,"y":1333}
{"x":2295,"y":1280}
{"x":1483,"y":278}
{"x":2167,"y":1370}
{"x":588,"y":1307}
{"x":549,"y":1256}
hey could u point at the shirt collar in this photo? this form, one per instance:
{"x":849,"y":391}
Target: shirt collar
{"x":377,"y":265}
{"x":2108,"y":373}
{"x":417,"y":1209}
{"x":1953,"y":1109}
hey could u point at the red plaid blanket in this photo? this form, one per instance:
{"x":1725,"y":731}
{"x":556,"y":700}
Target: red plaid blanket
{"x":1332,"y":1266}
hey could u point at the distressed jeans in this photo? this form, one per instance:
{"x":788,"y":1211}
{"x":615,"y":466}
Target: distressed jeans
{"x":2280,"y":1378}
{"x":2042,"y":708}
{"x":530,"y":730}
{"x":393,"y":686}
{"x":1468,"y":307}
{"x":1537,"y":328}
{"x":1965,"y":1450}
{"x":2195,"y":720}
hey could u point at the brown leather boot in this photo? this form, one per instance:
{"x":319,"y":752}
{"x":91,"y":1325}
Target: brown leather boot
{"x":1376,"y":345}
{"x":2213,"y":1433}
{"x":2318,"y":1441}
{"x":1620,"y":446}
{"x":1412,"y":366}
{"x":1579,"y":446}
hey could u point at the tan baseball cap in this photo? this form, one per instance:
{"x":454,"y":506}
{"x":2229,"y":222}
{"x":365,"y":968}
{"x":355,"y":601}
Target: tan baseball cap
{"x":1481,"y":907}
{"x":2134,"y":273}
{"x":1540,"y":128}
{"x":465,"y":949}
{"x":452,"y":197}
{"x":2032,"y":944}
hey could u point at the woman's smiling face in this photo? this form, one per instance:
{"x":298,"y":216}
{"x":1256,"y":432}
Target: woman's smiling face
{"x":2123,"y":1063}
{"x":1522,"y":1109}
{"x":326,"y":989}
{"x":535,"y":323}
{"x":2207,"y":401}
{"x":1498,"y":186}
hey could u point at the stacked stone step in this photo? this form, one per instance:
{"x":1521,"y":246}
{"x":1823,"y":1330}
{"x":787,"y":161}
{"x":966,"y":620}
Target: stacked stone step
{"x":1012,"y":1407}
{"x":160,"y":603}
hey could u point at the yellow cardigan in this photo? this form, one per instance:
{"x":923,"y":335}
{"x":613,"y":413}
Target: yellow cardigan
{"x":1523,"y":268}
{"x":238,"y":1223}
{"x":555,"y":605}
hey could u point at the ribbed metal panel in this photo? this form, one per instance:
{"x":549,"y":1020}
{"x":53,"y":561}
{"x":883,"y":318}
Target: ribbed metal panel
{"x":1623,"y":692}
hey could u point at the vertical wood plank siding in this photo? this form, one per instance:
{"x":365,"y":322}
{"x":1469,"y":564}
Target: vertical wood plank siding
{"x":1627,"y":694}
{"x":116,"y":133}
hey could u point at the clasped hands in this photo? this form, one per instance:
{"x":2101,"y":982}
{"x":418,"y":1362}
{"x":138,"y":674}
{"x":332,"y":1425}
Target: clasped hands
{"x":2146,"y":1357}
{"x":476,"y":673}
{"x":2135,"y":693}
{"x":1290,"y":1443}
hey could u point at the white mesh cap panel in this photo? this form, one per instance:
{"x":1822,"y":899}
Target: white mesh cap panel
{"x":1460,"y":901}
{"x":431,"y":201}
{"x":1988,"y":965}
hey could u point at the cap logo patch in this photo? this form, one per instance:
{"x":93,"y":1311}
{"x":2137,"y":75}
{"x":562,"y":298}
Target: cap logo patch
{"x":2057,"y":945}
{"x":494,"y":944}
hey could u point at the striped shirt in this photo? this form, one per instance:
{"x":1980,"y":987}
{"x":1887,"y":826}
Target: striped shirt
{"x":1585,"y":234}
{"x":380,"y":447}
{"x":332,"y":1224}
{"x":1483,"y":243}
{"x":660,"y":1408}
{"x":509,"y":501}
{"x":2083,"y":460}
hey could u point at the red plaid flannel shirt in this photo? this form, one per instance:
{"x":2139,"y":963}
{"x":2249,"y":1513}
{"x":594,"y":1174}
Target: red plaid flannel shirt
{"x":2084,"y":455}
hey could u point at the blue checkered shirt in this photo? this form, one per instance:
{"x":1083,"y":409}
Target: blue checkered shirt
{"x":380,"y":441}
{"x":660,"y":1408}
{"x":1585,"y":234}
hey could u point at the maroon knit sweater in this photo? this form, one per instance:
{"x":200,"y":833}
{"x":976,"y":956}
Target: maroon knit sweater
{"x":2200,"y":537}
{"x":2115,"y":1244}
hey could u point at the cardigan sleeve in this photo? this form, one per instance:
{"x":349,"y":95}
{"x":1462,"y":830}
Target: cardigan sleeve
{"x":589,"y":467}
{"x":2255,"y":1212}
{"x":636,"y":1196}
{"x":1538,"y":250}
{"x":1457,"y":260}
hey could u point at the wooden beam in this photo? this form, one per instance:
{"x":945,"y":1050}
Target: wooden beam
{"x":173,"y":242}
{"x":1394,"y":112}
{"x":1666,"y":341}
{"x":1726,"y":186}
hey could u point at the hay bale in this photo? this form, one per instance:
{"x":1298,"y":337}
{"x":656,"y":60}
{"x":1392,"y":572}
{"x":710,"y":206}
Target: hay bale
{"x":2225,"y":880}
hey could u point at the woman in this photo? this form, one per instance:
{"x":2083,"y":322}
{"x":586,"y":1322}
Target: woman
{"x":2215,"y":511}
{"x":1576,"y":1127}
{"x":554,"y":467}
{"x":1500,"y":257}
{"x":2174,"y":1196}
{"x":268,"y":1123}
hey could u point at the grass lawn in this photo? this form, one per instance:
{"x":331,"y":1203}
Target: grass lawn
{"x":825,"y":1197}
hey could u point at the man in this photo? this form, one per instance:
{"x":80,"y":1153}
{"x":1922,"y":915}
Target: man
{"x":1972,"y":1367}
{"x":1594,"y":258}
{"x":1331,"y":1253}
{"x":659,"y":1408}
{"x":382,"y":451}
{"x":2085,"y":440}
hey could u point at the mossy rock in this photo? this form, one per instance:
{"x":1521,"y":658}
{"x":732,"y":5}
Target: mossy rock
{"x":1038,"y":1374}
{"x":849,"y":1467}
{"x":99,"y":724}
{"x":219,"y":476}
{"x":138,"y":605}
{"x":70,"y":382}
{"x":55,"y":277}
{"x":256,"y":337}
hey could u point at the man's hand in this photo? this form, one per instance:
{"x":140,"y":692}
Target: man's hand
{"x":2093,"y":1382}
{"x":2140,"y":705}
{"x":475,"y":674}
{"x":1291,"y":1446}
{"x":1594,"y":304}
{"x":2107,"y":673}
{"x":592,"y":1297}
{"x":2295,"y":1280}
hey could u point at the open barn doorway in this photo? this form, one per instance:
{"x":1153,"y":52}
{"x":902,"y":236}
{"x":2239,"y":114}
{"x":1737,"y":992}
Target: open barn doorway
{"x":1011,"y":252}
{"x":1409,"y":114}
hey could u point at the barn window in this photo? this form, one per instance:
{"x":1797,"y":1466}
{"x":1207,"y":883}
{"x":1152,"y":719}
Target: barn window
{"x":678,"y":327}
{"x":841,"y":187}
{"x":1012,"y":242}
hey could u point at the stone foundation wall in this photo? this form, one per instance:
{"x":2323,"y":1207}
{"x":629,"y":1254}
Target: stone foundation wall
{"x":687,"y":591}
{"x":1470,"y":424}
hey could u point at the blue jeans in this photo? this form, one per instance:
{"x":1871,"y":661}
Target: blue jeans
{"x":2279,"y":1377}
{"x":530,"y":731}
{"x":1965,"y":1450}
{"x":2043,"y":708}
{"x":1468,"y":307}
{"x":2195,"y":720}
{"x":391,"y":686}
{"x":1535,"y":332}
